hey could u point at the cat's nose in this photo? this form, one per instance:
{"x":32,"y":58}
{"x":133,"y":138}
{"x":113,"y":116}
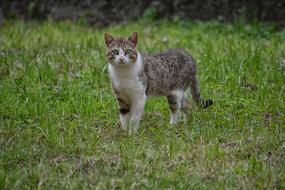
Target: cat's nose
{"x":121,"y":59}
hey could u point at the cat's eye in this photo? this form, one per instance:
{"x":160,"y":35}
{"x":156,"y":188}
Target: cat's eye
{"x":116,"y":52}
{"x":127,"y":51}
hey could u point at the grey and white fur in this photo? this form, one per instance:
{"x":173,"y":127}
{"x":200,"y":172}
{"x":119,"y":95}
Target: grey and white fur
{"x":135,"y":77}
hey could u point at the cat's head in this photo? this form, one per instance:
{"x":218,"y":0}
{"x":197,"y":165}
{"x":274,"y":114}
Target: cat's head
{"x":121,"y":51}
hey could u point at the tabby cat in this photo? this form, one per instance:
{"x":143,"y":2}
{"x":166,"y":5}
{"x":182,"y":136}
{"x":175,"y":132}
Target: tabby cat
{"x":136,"y":76}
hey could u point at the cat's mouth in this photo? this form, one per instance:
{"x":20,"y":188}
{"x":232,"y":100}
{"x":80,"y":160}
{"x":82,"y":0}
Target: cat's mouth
{"x":122,"y":63}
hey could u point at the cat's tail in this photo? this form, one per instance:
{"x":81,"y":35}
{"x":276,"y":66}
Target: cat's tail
{"x":195,"y":92}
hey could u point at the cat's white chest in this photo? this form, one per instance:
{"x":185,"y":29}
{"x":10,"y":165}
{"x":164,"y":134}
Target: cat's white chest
{"x":128,"y":85}
{"x":126,"y":80}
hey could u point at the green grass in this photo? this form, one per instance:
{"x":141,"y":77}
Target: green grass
{"x":58,"y":116}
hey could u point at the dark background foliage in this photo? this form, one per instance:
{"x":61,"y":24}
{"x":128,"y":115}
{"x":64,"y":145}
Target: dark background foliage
{"x":102,"y":12}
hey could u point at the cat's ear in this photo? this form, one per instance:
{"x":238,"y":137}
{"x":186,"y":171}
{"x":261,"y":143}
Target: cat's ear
{"x":134,"y":38}
{"x":108,"y":39}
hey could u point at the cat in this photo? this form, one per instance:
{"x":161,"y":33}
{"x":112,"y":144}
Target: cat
{"x":135,"y":77}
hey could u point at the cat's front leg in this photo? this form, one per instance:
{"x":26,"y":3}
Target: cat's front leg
{"x":124,"y":110}
{"x":137,"y":108}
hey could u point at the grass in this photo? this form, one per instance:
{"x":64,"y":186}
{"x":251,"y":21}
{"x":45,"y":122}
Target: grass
{"x":58,"y":116}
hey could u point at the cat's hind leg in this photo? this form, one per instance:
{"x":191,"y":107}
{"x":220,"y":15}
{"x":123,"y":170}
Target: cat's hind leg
{"x":186,"y":105}
{"x":175,"y":101}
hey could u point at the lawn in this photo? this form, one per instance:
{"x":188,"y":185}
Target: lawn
{"x":59,"y":119}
